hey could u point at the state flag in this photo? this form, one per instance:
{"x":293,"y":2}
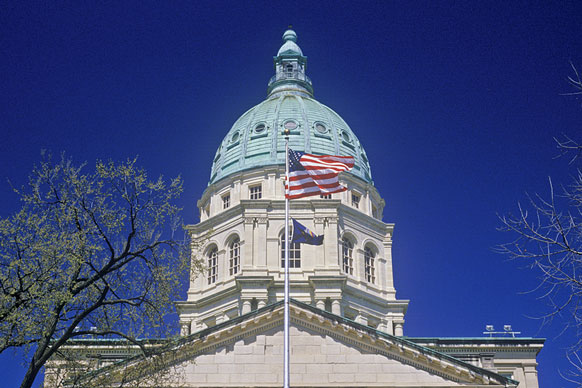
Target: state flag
{"x":304,"y":236}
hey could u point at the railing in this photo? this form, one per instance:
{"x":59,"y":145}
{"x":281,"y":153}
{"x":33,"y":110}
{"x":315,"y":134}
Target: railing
{"x":290,"y":75}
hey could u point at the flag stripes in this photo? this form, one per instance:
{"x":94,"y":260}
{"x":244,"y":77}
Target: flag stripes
{"x":315,"y":174}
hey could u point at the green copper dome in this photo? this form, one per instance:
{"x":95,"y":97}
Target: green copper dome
{"x":256,"y":140}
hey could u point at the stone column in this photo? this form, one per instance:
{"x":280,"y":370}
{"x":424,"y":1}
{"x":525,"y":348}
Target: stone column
{"x":246,"y":307}
{"x":184,"y":328}
{"x":255,"y":243}
{"x":387,"y":327}
{"x":381,"y":272}
{"x":320,"y":228}
{"x":330,"y":240}
{"x":320,"y":304}
{"x":531,"y":376}
{"x":367,"y":203}
{"x":247,"y":247}
{"x":261,"y":241}
{"x":388,"y":274}
{"x":398,"y":329}
{"x":235,"y":196}
{"x":272,"y":185}
{"x":336,"y":307}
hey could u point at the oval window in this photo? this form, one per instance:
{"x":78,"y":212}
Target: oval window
{"x":260,"y":128}
{"x":320,"y":128}
{"x":346,"y":137}
{"x":234,"y":137}
{"x":290,"y":125}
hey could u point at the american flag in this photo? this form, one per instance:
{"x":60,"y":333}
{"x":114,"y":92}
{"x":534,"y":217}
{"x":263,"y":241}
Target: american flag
{"x":315,"y":174}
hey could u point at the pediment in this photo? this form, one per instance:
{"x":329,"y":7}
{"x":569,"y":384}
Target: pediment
{"x":326,"y":350}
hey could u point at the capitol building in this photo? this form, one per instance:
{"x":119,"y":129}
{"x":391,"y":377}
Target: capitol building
{"x":347,"y":322}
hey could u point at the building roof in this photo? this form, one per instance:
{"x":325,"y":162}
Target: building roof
{"x":377,"y":342}
{"x":256,"y":140}
{"x":289,"y":46}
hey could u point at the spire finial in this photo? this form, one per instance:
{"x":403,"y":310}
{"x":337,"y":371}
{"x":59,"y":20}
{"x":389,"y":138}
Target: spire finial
{"x":290,"y":35}
{"x":290,"y":64}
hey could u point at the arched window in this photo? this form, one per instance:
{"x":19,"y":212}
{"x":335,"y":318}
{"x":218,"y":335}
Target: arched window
{"x":212,"y":265}
{"x":289,"y":69}
{"x":294,"y":251}
{"x":369,"y":265}
{"x":234,"y":257}
{"x":347,"y":256}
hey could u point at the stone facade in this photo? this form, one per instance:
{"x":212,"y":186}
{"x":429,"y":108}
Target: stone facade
{"x":320,"y":279}
{"x":327,"y":350}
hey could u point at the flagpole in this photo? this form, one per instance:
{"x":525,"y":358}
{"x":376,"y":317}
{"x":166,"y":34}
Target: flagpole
{"x":286,"y":308}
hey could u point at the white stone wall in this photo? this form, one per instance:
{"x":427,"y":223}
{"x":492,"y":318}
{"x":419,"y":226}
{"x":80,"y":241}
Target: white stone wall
{"x":315,"y":360}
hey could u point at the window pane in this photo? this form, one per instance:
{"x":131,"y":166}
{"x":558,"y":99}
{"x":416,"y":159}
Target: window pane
{"x":369,"y":269}
{"x":212,"y":266}
{"x":347,"y":259}
{"x":355,"y":200}
{"x":255,"y":192}
{"x":294,"y":252}
{"x":234,"y":257}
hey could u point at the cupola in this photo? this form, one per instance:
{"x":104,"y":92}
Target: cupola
{"x":290,"y":66}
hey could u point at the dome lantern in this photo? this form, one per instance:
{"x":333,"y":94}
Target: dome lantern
{"x":290,"y":66}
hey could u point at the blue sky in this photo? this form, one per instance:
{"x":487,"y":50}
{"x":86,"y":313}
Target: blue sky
{"x":456,"y":104}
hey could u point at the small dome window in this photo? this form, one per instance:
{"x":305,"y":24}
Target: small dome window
{"x":260,"y":128}
{"x":321,"y":128}
{"x":234,"y":137}
{"x":290,"y":125}
{"x":364,"y":158}
{"x":346,"y":137}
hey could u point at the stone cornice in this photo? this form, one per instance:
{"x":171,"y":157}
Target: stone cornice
{"x":323,"y":282}
{"x":379,"y":299}
{"x":209,"y":297}
{"x":254,"y":280}
{"x":374,"y":223}
{"x":215,"y":220}
{"x":497,"y":344}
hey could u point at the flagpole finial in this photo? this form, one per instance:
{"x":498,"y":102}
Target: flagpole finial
{"x":286,"y":132}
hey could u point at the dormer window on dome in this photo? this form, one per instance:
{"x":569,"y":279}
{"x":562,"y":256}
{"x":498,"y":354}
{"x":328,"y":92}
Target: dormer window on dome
{"x":259,"y":128}
{"x":346,"y":137}
{"x":290,"y":125}
{"x":320,"y":127}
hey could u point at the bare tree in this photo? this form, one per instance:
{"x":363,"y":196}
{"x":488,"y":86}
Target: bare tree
{"x":548,"y":232}
{"x":88,"y":254}
{"x":575,"y":81}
